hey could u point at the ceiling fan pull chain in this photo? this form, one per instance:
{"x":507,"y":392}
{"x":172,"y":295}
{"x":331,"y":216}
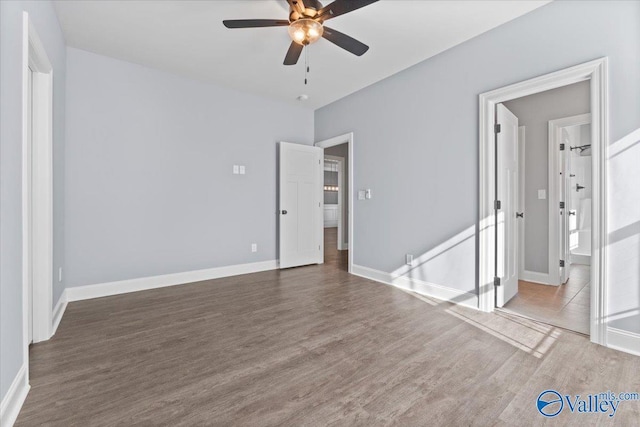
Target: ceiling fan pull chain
{"x":306,"y":64}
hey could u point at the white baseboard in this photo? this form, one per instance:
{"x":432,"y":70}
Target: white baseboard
{"x":535,"y":277}
{"x":58,"y":311}
{"x":444,"y":293}
{"x":626,"y":341}
{"x":79,"y":293}
{"x":581,"y":259}
{"x":13,"y":400}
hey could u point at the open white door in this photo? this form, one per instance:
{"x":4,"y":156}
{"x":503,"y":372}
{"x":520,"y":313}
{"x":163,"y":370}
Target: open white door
{"x":507,"y":179}
{"x":300,"y":205}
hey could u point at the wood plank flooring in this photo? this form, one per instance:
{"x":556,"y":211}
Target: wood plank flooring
{"x":310,"y":346}
{"x":566,"y":306}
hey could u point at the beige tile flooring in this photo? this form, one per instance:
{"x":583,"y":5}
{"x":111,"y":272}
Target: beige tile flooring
{"x":565,"y":306}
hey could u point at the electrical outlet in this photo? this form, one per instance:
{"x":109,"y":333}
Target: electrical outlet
{"x":254,"y":247}
{"x":60,"y":274}
{"x":409,"y":259}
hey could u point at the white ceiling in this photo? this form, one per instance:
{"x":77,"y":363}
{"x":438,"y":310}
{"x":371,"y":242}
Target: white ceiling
{"x":188,"y":38}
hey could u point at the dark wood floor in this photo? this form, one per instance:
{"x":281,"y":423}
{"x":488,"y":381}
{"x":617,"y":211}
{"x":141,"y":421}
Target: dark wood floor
{"x":309,"y":346}
{"x":566,"y":306}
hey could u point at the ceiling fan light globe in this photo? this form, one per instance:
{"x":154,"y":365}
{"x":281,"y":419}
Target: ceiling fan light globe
{"x":305,"y":31}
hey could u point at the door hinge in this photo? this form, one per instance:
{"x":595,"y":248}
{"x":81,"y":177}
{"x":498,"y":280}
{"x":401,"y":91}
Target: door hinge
{"x":561,"y":205}
{"x":496,"y":281}
{"x":497,"y":205}
{"x":497,"y":128}
{"x":561,"y":263}
{"x":561,"y":147}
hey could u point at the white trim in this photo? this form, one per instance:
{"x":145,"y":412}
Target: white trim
{"x":555,"y":139}
{"x":348,"y":139}
{"x":37,"y":187}
{"x":58,"y":312}
{"x":342,"y":208}
{"x":596,"y":72}
{"x":444,"y":293}
{"x":535,"y":277}
{"x":14,"y":399}
{"x":626,"y":341}
{"x":79,"y":293}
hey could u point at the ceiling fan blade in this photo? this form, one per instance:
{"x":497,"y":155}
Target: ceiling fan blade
{"x":293,"y":54}
{"x":344,"y":41}
{"x":340,"y":7}
{"x":254,"y":23}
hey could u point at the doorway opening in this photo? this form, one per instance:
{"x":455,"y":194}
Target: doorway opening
{"x":498,"y":226}
{"x":553,"y":283}
{"x":338,"y":201}
{"x":335,"y":211}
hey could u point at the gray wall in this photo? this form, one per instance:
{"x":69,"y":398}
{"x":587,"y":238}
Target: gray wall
{"x":342,"y":150}
{"x":149,"y":183}
{"x":45,"y":21}
{"x":422,"y":124}
{"x":534,"y":112}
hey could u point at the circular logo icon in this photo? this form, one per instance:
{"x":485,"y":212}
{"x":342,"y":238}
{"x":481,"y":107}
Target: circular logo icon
{"x":550,"y":403}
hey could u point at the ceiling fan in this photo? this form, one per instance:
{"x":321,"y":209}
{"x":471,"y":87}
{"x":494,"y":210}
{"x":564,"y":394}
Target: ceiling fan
{"x":306,"y":25}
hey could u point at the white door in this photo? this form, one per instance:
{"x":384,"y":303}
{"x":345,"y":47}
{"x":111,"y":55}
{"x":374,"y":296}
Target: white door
{"x":300,"y":205}
{"x":29,"y":205}
{"x":507,"y":249}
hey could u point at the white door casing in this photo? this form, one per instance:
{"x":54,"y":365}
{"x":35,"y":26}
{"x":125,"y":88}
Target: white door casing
{"x":596,"y":72}
{"x":508,"y":189}
{"x":300,"y":205}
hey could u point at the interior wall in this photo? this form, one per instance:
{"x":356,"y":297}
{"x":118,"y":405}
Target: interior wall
{"x":535,"y":112}
{"x":149,"y":183}
{"x":45,"y":21}
{"x":342,"y":150}
{"x":423,"y":124}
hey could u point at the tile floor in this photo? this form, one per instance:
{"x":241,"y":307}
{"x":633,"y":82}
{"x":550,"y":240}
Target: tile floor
{"x":565,"y":306}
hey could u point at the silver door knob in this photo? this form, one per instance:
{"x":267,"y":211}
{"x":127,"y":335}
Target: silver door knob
{"x":284,"y":212}
{"x":519,"y":214}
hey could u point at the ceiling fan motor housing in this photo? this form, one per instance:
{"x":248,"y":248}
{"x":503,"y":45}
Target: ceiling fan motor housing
{"x":311,"y":8}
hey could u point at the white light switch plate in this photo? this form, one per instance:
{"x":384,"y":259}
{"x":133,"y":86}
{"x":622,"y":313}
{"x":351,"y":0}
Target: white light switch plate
{"x":542,"y":194}
{"x":236,"y":169}
{"x":254,"y":247}
{"x":367,"y":194}
{"x":361,"y":194}
{"x":242,"y":169}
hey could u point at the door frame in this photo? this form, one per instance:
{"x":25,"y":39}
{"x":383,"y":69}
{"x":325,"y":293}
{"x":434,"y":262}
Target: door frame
{"x":342,"y":209}
{"x":555,"y":127}
{"x":347,"y":138}
{"x":37,"y":187}
{"x":596,"y":72}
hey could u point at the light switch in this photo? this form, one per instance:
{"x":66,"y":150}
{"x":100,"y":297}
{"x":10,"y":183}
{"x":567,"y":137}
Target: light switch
{"x":361,"y":194}
{"x":367,"y":194}
{"x":542,"y":194}
{"x":242,"y":169}
{"x":254,"y":247}
{"x":236,"y":169}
